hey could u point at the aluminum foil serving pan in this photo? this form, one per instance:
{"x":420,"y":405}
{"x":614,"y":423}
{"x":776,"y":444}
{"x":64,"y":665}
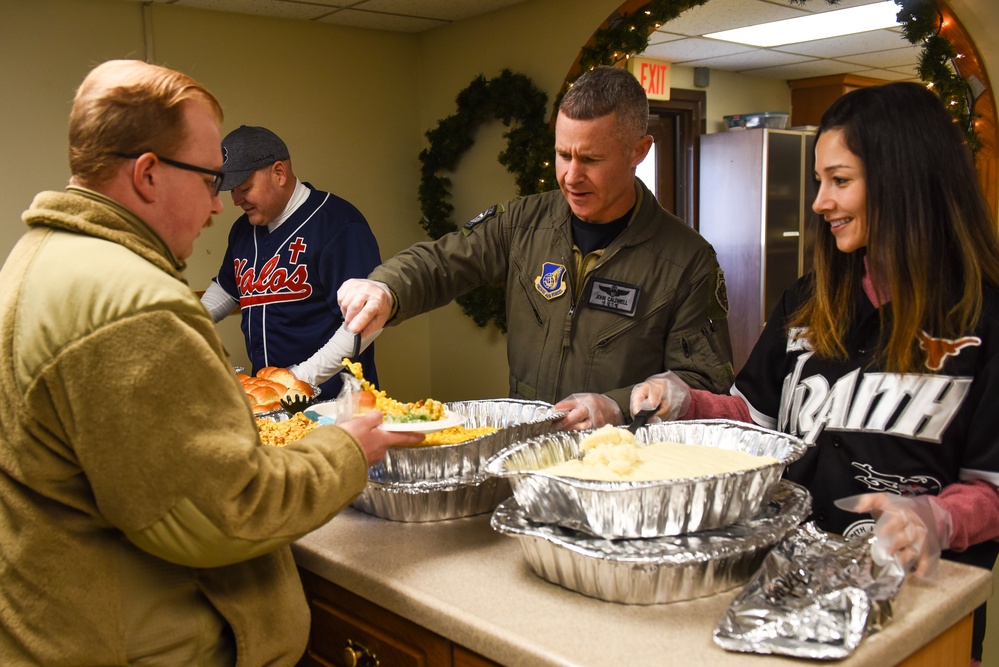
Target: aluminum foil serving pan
{"x":517,"y":420}
{"x":432,"y":500}
{"x":646,"y":509}
{"x":657,"y":570}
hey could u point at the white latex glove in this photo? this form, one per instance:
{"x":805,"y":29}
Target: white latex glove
{"x":366,"y":305}
{"x":587,"y":411}
{"x":666,"y":392}
{"x":328,"y":360}
{"x":911,"y":529}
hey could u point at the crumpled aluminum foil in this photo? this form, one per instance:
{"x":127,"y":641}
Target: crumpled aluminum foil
{"x":817,"y":595}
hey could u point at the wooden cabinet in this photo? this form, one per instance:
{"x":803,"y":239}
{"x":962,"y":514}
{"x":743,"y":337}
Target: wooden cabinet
{"x":757,"y":188}
{"x":349,"y":631}
{"x":465,"y":658}
{"x":811,"y":97}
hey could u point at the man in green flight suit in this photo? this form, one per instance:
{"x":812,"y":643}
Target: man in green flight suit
{"x":603,"y":286}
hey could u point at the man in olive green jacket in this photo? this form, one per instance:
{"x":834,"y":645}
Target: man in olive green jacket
{"x":141,"y":519}
{"x":603,"y":286}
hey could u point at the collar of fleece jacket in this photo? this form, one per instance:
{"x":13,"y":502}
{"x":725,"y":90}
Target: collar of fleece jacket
{"x":87,"y":212}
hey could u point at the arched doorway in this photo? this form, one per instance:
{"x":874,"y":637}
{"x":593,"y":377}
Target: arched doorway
{"x":969,"y":65}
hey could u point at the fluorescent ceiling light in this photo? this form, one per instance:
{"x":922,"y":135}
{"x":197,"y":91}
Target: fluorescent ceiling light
{"x":815,"y":26}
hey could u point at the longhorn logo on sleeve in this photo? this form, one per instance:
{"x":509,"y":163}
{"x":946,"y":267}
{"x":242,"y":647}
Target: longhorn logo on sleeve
{"x":938,"y":349}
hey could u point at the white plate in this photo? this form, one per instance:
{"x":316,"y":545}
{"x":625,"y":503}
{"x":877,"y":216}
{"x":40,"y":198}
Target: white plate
{"x":324,"y":409}
{"x":425,"y":427}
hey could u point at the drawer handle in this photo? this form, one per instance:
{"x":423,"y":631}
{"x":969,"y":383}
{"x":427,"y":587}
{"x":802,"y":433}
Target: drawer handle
{"x":356,"y":654}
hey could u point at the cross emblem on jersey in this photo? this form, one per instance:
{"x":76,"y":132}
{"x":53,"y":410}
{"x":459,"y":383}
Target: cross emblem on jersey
{"x":297,"y":246}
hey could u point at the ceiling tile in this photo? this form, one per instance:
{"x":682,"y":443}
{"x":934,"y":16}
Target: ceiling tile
{"x":695,"y":48}
{"x":448,"y":10}
{"x":725,"y":14}
{"x":663,"y":37}
{"x":355,"y":18}
{"x":805,"y":70}
{"x":274,"y":8}
{"x":863,"y":42}
{"x":890,"y":58}
{"x":750,"y":60}
{"x":820,"y":6}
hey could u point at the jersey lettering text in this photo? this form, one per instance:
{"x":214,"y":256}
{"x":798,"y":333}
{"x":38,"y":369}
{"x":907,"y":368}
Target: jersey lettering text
{"x":272,"y":285}
{"x":908,"y":405}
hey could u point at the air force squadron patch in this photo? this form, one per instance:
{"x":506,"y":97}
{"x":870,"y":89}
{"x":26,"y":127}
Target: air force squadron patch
{"x":614,"y":296}
{"x":719,"y":296}
{"x":551,"y":282}
{"x":481,"y":217}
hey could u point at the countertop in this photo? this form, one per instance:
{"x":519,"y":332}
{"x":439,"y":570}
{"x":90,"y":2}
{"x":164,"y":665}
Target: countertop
{"x":462,"y":580}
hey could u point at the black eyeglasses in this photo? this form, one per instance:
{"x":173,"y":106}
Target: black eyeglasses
{"x":217,"y":176}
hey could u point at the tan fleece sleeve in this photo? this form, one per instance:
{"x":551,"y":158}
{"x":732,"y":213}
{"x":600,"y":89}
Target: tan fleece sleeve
{"x":163,"y":433}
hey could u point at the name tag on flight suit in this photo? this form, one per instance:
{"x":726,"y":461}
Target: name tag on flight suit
{"x":613,"y":296}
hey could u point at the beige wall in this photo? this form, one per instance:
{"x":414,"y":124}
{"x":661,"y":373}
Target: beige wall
{"x":353,"y":106}
{"x":344,"y":100}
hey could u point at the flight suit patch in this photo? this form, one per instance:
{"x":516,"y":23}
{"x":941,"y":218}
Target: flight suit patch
{"x":614,"y":297}
{"x":482,"y":217}
{"x":719,"y":296}
{"x":551,"y":282}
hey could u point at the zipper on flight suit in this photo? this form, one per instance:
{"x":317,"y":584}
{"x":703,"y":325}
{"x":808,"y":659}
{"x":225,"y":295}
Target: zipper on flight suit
{"x":576,"y":298}
{"x":586,"y":280}
{"x":567,"y":335}
{"x":566,"y":338}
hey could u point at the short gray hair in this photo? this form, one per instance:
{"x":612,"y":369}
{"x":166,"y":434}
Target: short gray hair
{"x":605,"y":90}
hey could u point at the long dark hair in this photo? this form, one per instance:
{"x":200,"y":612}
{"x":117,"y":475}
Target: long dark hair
{"x":931,"y":239}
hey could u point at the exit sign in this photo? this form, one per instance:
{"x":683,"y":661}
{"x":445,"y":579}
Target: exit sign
{"x":654,"y":75}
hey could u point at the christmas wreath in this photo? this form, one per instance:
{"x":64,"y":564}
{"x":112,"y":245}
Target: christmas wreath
{"x":509,"y":97}
{"x":513,"y":97}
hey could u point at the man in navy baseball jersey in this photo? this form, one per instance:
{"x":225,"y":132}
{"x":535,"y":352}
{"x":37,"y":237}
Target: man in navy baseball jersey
{"x":287,"y":256}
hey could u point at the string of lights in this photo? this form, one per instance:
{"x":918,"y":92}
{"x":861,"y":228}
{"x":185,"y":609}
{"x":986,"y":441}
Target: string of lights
{"x":522,"y":107}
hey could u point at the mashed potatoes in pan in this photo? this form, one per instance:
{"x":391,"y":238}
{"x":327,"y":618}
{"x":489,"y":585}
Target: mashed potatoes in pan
{"x":612,"y":454}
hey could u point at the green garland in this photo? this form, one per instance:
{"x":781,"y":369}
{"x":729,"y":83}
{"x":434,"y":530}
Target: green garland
{"x":508,"y":97}
{"x":513,"y":97}
{"x":920,"y":21}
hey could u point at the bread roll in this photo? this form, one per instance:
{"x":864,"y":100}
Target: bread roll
{"x":272,"y":385}
{"x":281,"y":375}
{"x":276,"y":386}
{"x":301,"y":387}
{"x":266,"y":407}
{"x":263,"y":395}
{"x":365,"y":402}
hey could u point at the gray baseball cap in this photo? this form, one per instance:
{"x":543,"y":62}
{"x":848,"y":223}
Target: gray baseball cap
{"x":246,"y":149}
